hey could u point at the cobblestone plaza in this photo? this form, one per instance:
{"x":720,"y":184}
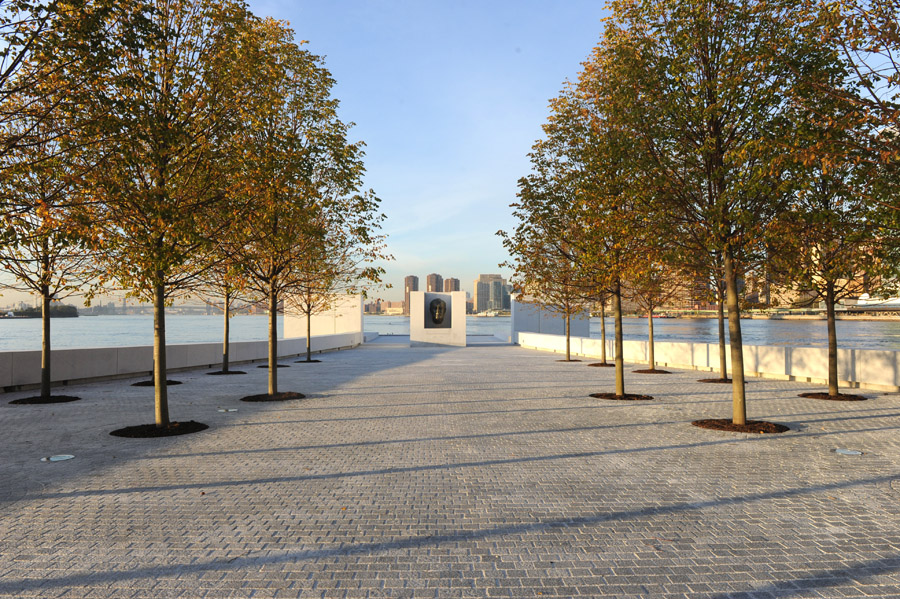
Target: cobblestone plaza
{"x":484,"y":471}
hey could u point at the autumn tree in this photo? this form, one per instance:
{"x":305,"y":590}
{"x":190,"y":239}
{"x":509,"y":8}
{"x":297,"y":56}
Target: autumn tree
{"x":50,"y":257}
{"x":52,"y":55}
{"x":343,"y":261}
{"x":160,"y":194}
{"x":705,"y":93}
{"x":548,"y":258}
{"x":654,"y":285}
{"x":297,"y":165}
{"x":223,"y":284}
{"x":827,"y":249}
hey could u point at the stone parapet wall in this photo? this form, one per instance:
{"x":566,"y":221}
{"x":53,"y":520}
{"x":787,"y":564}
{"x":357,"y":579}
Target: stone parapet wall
{"x":22,"y":369}
{"x":861,"y":368}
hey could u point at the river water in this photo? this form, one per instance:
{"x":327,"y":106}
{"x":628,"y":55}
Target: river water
{"x":111,"y":331}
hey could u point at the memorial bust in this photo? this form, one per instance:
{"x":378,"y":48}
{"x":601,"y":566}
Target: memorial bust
{"x":438,"y":309}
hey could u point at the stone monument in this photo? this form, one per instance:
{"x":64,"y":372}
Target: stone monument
{"x":437,"y":318}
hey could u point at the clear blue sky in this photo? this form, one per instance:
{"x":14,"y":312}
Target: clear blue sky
{"x":449,"y":96}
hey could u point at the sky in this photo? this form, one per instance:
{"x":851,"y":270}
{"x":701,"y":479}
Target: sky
{"x":449,"y":97}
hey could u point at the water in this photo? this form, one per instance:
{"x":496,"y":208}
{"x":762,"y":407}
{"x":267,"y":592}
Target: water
{"x":126,"y":330}
{"x":113,"y":331}
{"x":856,"y":334}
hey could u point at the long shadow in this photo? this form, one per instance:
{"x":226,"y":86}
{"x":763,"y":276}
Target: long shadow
{"x":417,"y":542}
{"x":409,"y":440}
{"x":407,"y":469}
{"x":434,"y":414}
{"x":823,"y":579}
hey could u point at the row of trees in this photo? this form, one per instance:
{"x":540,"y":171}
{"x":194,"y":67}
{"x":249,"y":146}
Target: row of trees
{"x":719,"y":140}
{"x":170,"y":147}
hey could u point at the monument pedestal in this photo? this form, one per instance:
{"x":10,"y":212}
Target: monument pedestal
{"x":437,"y":318}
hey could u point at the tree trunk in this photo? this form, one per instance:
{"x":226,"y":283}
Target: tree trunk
{"x":568,"y":338}
{"x":739,"y":402}
{"x":720,"y":306}
{"x":651,"y":358}
{"x":620,"y":359}
{"x":45,"y":341}
{"x":160,"y":391}
{"x":832,"y":340}
{"x":309,"y":335}
{"x":225,"y":335}
{"x":603,"y":333}
{"x":273,"y":340}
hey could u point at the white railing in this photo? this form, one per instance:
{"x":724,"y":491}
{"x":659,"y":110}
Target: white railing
{"x":22,"y":369}
{"x":863,"y":368}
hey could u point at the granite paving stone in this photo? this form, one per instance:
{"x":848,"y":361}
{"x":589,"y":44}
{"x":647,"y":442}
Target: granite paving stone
{"x":485,"y":471}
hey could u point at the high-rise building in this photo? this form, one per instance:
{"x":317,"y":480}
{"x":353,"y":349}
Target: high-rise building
{"x":482,"y":288}
{"x":410,"y":283}
{"x":482,"y":297}
{"x":434,"y":283}
{"x":451,"y":284}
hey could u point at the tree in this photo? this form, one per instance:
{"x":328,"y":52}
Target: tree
{"x":705,"y":90}
{"x":826,"y":246}
{"x":52,"y":54}
{"x":223,"y":281}
{"x":297,"y":166}
{"x":546,"y":259}
{"x":160,"y":197}
{"x":343,"y":260}
{"x":50,"y":257}
{"x":652,"y":287}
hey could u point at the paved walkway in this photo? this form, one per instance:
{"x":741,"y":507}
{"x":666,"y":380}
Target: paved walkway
{"x":474,"y":472}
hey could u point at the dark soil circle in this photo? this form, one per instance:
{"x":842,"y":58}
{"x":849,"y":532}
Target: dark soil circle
{"x":283,"y":396}
{"x":307,"y":361}
{"x":626,"y":397}
{"x":276,"y":366}
{"x":720,"y":381}
{"x":752,"y":426}
{"x":37,"y":399}
{"x":651,"y":371}
{"x":217,"y":372}
{"x":150,"y":384}
{"x":149,"y":431}
{"x":602,"y":365}
{"x":838,"y":397}
{"x":568,"y":360}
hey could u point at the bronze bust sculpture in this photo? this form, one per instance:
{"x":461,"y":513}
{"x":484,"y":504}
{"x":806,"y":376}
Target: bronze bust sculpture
{"x":438,"y":310}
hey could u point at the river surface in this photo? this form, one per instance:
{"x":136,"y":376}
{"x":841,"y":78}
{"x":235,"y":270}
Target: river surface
{"x":113,"y":331}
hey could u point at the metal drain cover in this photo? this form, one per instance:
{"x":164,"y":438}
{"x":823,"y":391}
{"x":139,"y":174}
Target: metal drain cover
{"x":57,"y":458}
{"x":847,"y":452}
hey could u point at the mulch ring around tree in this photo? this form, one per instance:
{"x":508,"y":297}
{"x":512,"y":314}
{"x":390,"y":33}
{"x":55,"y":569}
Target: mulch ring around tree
{"x":568,"y":360}
{"x":227,"y":372}
{"x":283,"y":396}
{"x":150,"y":384}
{"x":149,"y":431}
{"x":651,"y":371}
{"x":626,"y":397}
{"x":37,"y":399}
{"x":752,"y":426}
{"x":276,"y":366}
{"x":720,"y":381}
{"x":838,"y":397}
{"x":307,"y":361}
{"x":602,"y":365}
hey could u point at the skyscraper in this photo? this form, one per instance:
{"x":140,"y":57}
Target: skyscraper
{"x":482,"y":299}
{"x":451,"y":284}
{"x":410,"y":283}
{"x":434,"y":283}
